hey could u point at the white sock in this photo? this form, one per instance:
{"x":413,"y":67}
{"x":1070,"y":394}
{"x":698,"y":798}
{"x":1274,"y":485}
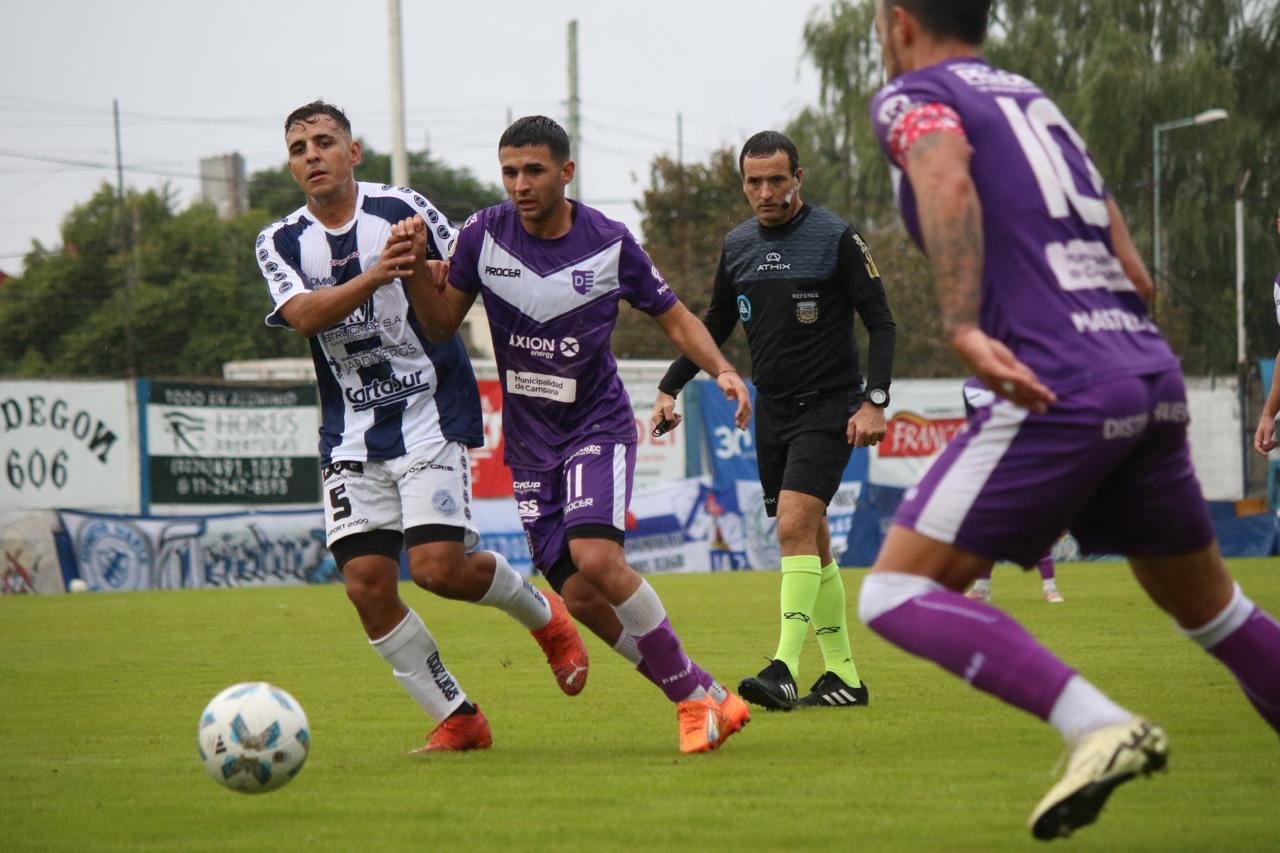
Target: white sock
{"x":415,"y":662}
{"x":1235,"y":614}
{"x":626,"y":646}
{"x":1082,"y":708}
{"x":642,"y":612}
{"x":982,"y":583}
{"x":1049,"y":584}
{"x":516,"y":597}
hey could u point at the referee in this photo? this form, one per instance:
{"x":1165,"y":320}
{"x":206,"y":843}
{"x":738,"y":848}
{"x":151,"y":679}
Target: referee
{"x":794,"y":274}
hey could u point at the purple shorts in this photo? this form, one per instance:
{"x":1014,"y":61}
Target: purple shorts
{"x":1111,"y":464}
{"x":591,"y":487}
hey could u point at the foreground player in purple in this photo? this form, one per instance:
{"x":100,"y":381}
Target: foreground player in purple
{"x":1039,"y":285}
{"x":552,"y":272}
{"x":977,"y":397}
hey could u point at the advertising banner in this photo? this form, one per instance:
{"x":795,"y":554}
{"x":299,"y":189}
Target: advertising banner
{"x":68,"y":444}
{"x":28,"y":557}
{"x":118,"y":552}
{"x":220,"y":446}
{"x":923,"y":415}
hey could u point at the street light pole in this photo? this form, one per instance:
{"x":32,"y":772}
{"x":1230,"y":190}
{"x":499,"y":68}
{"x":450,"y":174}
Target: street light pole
{"x":1206,"y":117}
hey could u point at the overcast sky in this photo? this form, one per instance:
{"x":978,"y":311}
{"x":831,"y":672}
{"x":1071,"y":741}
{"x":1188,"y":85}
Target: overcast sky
{"x":198,"y":79}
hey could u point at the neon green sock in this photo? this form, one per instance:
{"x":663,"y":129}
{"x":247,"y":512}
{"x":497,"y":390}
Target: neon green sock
{"x":831,"y":625}
{"x":801,"y":577}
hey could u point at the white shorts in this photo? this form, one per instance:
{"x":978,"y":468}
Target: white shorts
{"x":430,"y":485}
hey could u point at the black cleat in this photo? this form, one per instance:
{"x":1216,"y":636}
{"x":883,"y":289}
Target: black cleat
{"x":830,"y":689}
{"x":773,"y":688}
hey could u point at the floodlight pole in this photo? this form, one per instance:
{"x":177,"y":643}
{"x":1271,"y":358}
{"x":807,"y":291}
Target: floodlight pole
{"x":399,"y":154}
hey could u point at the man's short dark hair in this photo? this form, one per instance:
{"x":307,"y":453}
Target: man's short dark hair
{"x":965,"y":20}
{"x":536,"y":130}
{"x":766,"y":143}
{"x":307,"y":112}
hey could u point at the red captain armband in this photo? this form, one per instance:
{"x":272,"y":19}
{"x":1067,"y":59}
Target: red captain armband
{"x":917,"y":121}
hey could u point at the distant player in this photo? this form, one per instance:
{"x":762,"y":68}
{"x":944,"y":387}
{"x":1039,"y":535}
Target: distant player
{"x":1264,"y":438}
{"x":1039,"y":285}
{"x":977,"y":397}
{"x":552,"y":272}
{"x":398,"y":414}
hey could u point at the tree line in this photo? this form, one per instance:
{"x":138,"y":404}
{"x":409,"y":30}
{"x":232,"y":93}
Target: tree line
{"x":141,"y":288}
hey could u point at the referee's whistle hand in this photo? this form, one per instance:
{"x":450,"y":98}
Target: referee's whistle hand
{"x":664,"y":413}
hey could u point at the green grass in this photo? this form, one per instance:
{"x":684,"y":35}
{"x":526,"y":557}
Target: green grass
{"x":101,"y":695}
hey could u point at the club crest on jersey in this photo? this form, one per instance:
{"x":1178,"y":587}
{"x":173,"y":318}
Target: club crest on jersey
{"x":582,"y":280}
{"x":807,"y":312}
{"x":744,"y":308}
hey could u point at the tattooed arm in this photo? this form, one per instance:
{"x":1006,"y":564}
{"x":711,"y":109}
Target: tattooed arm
{"x":950,"y":215}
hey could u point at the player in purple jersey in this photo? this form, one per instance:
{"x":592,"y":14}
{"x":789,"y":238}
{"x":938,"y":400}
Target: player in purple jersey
{"x":1264,"y":438}
{"x":1039,"y":286}
{"x":552,"y":272}
{"x":976,"y":397}
{"x":399,"y":413}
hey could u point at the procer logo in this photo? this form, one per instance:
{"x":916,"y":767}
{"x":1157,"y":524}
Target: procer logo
{"x":773,"y":263}
{"x":503,"y":272}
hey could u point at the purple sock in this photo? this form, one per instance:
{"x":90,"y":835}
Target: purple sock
{"x":980,"y":644}
{"x":1252,"y":653}
{"x":1045,"y":567}
{"x":667,"y":663}
{"x":703,"y":678}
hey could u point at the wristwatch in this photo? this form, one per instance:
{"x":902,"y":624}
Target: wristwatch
{"x":878,"y":397}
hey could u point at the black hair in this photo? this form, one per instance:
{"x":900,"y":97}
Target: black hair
{"x":965,"y":20}
{"x":768,"y":142}
{"x":531,"y":131}
{"x":307,"y":112}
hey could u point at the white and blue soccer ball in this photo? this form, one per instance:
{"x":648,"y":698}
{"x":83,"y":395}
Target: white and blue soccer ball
{"x":253,"y":737}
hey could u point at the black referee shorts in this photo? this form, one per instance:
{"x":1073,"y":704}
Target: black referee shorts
{"x":801,"y":444}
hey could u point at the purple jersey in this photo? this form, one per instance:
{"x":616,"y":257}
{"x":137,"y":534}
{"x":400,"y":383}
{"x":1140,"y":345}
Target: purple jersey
{"x":1052,"y":288}
{"x":552,"y":305}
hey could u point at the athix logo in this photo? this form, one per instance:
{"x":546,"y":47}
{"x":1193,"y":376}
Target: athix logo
{"x":382,"y":392}
{"x":773,"y":263}
{"x":582,"y":280}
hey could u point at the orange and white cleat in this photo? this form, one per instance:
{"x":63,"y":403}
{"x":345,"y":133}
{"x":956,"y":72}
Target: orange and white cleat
{"x":734,"y":714}
{"x":563,"y":646}
{"x":705,"y":725}
{"x":458,"y":733}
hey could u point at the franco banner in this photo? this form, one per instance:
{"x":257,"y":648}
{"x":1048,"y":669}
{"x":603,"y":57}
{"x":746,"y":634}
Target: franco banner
{"x":222,"y":446}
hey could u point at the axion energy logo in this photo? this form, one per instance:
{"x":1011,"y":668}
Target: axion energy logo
{"x":908,"y":434}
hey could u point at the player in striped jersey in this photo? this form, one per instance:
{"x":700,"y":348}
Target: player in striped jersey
{"x":398,"y":414}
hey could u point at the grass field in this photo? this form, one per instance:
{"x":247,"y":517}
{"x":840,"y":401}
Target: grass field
{"x":101,"y":695}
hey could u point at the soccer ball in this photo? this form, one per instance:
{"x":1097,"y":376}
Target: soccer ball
{"x":77,"y":585}
{"x":253,"y":737}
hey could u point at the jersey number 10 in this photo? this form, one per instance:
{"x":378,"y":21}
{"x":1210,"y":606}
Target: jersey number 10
{"x":1049,"y":159}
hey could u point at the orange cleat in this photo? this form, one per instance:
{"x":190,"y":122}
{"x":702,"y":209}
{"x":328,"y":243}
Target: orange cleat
{"x":734,"y":714}
{"x":458,"y":733}
{"x":563,"y":646}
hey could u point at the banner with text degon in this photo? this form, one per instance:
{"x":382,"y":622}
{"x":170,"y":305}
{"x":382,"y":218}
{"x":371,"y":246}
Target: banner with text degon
{"x":215,"y":446}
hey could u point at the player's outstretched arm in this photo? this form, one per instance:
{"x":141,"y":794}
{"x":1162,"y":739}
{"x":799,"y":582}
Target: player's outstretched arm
{"x":693,"y":340}
{"x":1127,"y":253}
{"x":950,"y":216}
{"x":1264,"y":439}
{"x":312,"y":312}
{"x":439,"y":308}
